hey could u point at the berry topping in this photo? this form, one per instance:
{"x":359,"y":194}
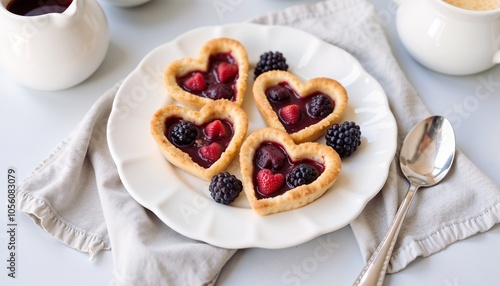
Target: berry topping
{"x":270,"y":61}
{"x":344,"y":138}
{"x":320,"y":106}
{"x":219,"y":91}
{"x":184,"y":133}
{"x":211,"y":152}
{"x":225,"y":188}
{"x":278,"y":93}
{"x":213,"y":137}
{"x":195,"y":83}
{"x":215,"y":129}
{"x":301,"y":175}
{"x":270,"y":156}
{"x":290,"y":114}
{"x":226,"y":71}
{"x":269,"y":182}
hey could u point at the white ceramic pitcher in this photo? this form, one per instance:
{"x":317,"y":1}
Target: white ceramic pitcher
{"x":449,"y":39}
{"x":53,"y":51}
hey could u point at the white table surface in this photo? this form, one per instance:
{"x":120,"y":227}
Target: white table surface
{"x":33,"y":122}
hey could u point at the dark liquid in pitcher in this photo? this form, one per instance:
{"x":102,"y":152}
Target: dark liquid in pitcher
{"x":37,"y":7}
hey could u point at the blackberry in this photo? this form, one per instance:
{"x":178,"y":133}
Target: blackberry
{"x":344,"y":138}
{"x":270,"y":61}
{"x":219,"y":91}
{"x":301,"y":175}
{"x":184,"y":133}
{"x":225,"y":188}
{"x":320,"y":106}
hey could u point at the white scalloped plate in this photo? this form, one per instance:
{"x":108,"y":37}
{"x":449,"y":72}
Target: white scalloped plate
{"x":183,"y":202}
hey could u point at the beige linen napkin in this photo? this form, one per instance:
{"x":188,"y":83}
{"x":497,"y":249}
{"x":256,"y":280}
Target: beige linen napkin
{"x":77,"y":197}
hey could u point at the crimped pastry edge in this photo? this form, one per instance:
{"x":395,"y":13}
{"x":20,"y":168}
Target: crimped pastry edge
{"x":184,"y":65}
{"x":222,"y":109}
{"x":299,"y":196}
{"x":328,"y":86}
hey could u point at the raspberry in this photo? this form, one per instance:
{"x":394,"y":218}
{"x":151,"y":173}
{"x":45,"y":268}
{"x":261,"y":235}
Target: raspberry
{"x":226,"y":71}
{"x":290,"y":114}
{"x":320,"y":106}
{"x":301,"y":175}
{"x":225,"y":188}
{"x":278,"y":93}
{"x":215,"y":129}
{"x":269,"y":182}
{"x":270,"y":61}
{"x":212,"y":152}
{"x":184,"y":133}
{"x":344,"y":138}
{"x":219,"y":91}
{"x":195,"y":83}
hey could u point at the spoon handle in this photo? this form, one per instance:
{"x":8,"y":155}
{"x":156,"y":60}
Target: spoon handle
{"x":376,"y":267}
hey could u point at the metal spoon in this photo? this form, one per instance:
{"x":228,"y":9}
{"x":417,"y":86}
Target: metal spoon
{"x":425,"y":158}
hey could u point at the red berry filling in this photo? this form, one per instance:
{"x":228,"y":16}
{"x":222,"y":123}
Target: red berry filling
{"x":272,"y":166}
{"x":296,"y":112}
{"x":218,"y":82}
{"x":207,"y":142}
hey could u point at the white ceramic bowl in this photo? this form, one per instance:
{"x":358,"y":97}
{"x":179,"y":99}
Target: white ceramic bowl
{"x":448,"y":39}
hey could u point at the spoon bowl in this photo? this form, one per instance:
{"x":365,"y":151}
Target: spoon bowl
{"x":428,"y":151}
{"x":425,"y":158}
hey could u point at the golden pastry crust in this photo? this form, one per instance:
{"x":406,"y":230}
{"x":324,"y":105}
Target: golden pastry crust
{"x":222,"y":109}
{"x":327,"y":86}
{"x":183,"y":66}
{"x":297,"y":197}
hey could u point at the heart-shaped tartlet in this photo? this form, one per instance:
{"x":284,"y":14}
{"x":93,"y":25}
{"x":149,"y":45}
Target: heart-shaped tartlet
{"x":280,"y":175}
{"x":219,"y":72}
{"x":204,"y":142}
{"x":305,"y":110}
